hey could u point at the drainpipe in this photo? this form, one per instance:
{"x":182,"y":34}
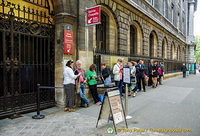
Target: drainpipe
{"x":77,"y":32}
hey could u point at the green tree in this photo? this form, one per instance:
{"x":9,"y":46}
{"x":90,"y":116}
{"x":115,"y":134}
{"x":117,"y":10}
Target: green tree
{"x":197,"y":50}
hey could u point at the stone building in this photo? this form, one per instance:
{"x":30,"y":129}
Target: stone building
{"x":32,"y":43}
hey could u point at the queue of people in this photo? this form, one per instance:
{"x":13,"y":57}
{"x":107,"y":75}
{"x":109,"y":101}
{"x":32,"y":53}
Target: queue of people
{"x":78,"y":78}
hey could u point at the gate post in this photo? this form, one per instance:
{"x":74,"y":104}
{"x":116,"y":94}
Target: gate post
{"x":38,"y":116}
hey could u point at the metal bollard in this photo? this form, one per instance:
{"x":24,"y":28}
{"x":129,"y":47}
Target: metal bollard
{"x":38,"y":116}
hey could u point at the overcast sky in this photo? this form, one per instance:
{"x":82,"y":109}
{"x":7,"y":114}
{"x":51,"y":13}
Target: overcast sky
{"x":197,"y":20}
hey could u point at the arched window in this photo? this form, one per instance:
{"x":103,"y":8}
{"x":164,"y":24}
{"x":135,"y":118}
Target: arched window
{"x":164,"y":48}
{"x":133,"y":40}
{"x":153,"y":43}
{"x":183,"y":54}
{"x":136,"y":44}
{"x":107,"y":32}
{"x":172,"y":51}
{"x":178,"y":53}
{"x":101,"y":33}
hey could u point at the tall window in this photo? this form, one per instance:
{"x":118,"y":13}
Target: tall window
{"x":183,"y":25}
{"x":178,"y":53}
{"x":172,"y":50}
{"x":172,"y":11}
{"x":101,"y":33}
{"x":164,"y":8}
{"x":151,"y":44}
{"x":178,"y":21}
{"x":133,"y":40}
{"x":164,"y":48}
{"x":152,"y":2}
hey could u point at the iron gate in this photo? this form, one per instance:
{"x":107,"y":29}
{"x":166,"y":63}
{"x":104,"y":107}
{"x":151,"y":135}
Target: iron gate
{"x":26,"y":58}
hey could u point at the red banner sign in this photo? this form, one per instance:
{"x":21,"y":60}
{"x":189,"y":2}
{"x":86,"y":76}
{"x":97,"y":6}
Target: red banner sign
{"x":68,"y":42}
{"x":93,"y":15}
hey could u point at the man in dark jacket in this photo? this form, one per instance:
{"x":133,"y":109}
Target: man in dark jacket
{"x":106,"y":75}
{"x":150,"y":65}
{"x":184,"y":69}
{"x":140,"y":68}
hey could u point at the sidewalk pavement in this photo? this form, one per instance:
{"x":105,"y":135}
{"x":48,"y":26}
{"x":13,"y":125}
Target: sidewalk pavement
{"x":60,"y":123}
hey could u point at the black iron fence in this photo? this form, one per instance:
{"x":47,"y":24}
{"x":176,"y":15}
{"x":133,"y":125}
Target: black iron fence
{"x":170,"y":65}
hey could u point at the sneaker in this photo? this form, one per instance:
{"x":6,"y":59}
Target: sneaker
{"x":134,"y":94}
{"x":71,"y":110}
{"x":129,"y":94}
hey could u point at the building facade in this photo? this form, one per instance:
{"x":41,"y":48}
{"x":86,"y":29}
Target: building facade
{"x":32,"y":43}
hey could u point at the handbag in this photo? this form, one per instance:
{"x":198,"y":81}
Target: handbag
{"x":107,"y":81}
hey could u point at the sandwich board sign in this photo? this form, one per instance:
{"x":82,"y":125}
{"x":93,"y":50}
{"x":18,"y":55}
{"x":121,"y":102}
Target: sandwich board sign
{"x":112,"y":106}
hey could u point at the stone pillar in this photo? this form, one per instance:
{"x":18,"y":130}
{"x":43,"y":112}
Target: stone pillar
{"x":191,"y":21}
{"x":190,"y":35}
{"x":61,"y":21}
{"x":190,"y":53}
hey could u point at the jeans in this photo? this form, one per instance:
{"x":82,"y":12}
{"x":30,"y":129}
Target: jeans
{"x":119,"y":84}
{"x":84,"y":100}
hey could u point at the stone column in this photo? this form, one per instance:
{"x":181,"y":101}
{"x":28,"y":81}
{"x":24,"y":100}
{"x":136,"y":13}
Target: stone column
{"x":190,"y":53}
{"x":191,"y":21}
{"x":190,"y":35}
{"x":61,"y":21}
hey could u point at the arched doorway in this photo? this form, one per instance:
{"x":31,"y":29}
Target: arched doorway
{"x":27,"y":39}
{"x":153,"y":43}
{"x":164,"y":48}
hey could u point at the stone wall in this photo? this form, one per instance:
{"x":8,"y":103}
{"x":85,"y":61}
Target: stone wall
{"x":121,"y":15}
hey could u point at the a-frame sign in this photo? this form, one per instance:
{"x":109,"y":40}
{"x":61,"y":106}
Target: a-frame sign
{"x":112,"y":106}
